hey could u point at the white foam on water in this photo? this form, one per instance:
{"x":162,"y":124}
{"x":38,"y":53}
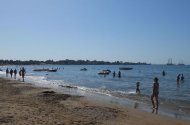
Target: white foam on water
{"x":101,"y":91}
{"x":131,"y":92}
{"x":43,"y":82}
{"x":2,"y":73}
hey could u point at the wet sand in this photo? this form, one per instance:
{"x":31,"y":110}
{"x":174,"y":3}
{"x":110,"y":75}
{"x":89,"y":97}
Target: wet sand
{"x":24,"y":104}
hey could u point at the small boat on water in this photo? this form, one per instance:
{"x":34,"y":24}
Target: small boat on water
{"x":125,"y":68}
{"x":104,"y":72}
{"x":83,"y":69}
{"x":170,"y":62}
{"x":52,"y":70}
{"x":45,"y":70}
{"x":181,"y":63}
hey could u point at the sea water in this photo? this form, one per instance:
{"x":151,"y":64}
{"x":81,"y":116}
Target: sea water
{"x":172,"y":95}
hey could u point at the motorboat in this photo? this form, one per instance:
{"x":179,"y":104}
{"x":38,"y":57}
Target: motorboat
{"x":104,"y":72}
{"x":52,"y":70}
{"x":83,"y":69}
{"x":45,"y":70}
{"x":125,"y":68}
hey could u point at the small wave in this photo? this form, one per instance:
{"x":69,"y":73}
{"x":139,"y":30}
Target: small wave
{"x":2,"y":73}
{"x":39,"y":79}
{"x":105,"y":91}
{"x":68,"y":86}
{"x":102,"y":91}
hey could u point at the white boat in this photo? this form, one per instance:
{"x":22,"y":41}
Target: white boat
{"x":46,"y":70}
{"x":181,"y":63}
{"x":170,"y":62}
{"x":104,"y":72}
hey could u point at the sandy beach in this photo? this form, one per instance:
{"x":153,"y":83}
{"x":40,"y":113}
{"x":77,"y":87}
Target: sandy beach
{"x":24,"y":104}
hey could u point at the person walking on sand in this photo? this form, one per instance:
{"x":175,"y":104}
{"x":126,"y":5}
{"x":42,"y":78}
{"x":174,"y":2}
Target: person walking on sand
{"x":11,"y":72}
{"x":23,"y":72}
{"x":15,"y":72}
{"x":137,"y":89}
{"x":7,"y":72}
{"x":155,"y":92}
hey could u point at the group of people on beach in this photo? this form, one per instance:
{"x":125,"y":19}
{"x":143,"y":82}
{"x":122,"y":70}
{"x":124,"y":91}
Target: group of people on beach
{"x":22,"y":73}
{"x":155,"y":89}
{"x":155,"y":92}
{"x":155,"y":86}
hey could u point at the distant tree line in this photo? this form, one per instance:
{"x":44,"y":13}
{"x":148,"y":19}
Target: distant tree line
{"x":67,"y":62}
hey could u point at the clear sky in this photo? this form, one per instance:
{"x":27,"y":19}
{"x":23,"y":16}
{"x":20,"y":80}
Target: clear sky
{"x":149,"y":31}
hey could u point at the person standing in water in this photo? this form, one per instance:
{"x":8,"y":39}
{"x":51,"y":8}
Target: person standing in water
{"x":178,"y":78}
{"x":182,"y":77}
{"x":119,"y":74}
{"x":155,"y":92}
{"x":114,"y":74}
{"x":163,"y":73}
{"x":137,"y":89}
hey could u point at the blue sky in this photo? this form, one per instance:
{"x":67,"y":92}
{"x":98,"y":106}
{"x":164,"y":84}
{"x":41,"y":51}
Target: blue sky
{"x":126,"y":30}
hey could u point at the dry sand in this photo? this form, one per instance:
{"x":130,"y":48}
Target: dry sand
{"x":24,"y":104}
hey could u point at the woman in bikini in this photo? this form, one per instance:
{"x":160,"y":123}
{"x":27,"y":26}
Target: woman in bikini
{"x":155,"y":92}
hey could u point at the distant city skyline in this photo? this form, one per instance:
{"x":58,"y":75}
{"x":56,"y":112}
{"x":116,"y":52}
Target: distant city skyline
{"x":105,"y":30}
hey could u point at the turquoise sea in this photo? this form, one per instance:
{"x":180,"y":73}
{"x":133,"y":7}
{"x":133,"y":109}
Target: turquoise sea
{"x":174,"y":98}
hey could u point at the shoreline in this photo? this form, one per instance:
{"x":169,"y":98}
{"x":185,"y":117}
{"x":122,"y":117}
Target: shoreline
{"x":23,"y":103}
{"x":177,"y":110}
{"x":132,"y":101}
{"x":168,"y":110}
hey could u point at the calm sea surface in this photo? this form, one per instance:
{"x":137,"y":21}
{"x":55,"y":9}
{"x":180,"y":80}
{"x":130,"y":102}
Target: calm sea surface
{"x":89,"y":81}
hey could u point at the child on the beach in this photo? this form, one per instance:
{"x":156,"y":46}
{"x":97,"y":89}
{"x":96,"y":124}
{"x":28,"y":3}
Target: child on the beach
{"x":137,"y":89}
{"x":155,"y":92}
